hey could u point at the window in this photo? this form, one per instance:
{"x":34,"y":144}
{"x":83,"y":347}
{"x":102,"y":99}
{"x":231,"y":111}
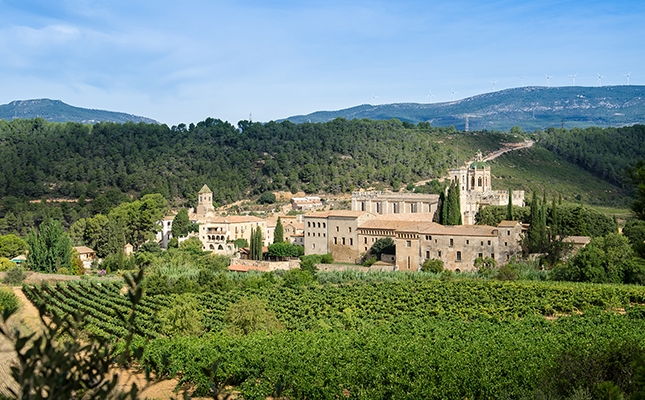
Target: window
{"x":408,"y":243}
{"x":324,"y":225}
{"x":482,"y":243}
{"x":459,"y":256}
{"x":365,"y":240}
{"x":508,"y":233}
{"x":351,"y":241}
{"x":439,"y":254}
{"x":343,"y":241}
{"x":479,"y":181}
{"x":467,"y":241}
{"x":427,"y":254}
{"x":337,"y":229}
{"x":365,"y":248}
{"x":362,"y":206}
{"x":319,"y":224}
{"x":308,"y":233}
{"x":408,"y":262}
{"x":335,"y":240}
{"x":313,"y":245}
{"x":480,"y":255}
{"x":308,"y":224}
{"x":349,"y":229}
{"x":428,"y":237}
{"x":505,"y":243}
{"x":489,"y":242}
{"x":492,"y":255}
{"x":395,"y":208}
{"x":452,"y":242}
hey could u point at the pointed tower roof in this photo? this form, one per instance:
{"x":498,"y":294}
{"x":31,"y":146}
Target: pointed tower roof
{"x":204,"y":189}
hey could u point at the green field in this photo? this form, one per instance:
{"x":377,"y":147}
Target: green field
{"x":537,"y":169}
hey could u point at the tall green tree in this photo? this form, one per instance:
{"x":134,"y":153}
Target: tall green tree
{"x":12,"y":246}
{"x":180,"y":224}
{"x":139,"y":218}
{"x":636,"y":175}
{"x":509,"y":207}
{"x":453,"y":207}
{"x":49,"y":247}
{"x":278,"y":235}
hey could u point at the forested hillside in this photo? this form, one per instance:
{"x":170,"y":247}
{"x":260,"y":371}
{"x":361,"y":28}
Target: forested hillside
{"x":38,"y":158}
{"x":605,"y":153}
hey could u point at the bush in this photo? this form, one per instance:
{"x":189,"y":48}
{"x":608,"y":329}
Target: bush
{"x":6,"y":264}
{"x":327,"y":259}
{"x":251,"y":315}
{"x":432,"y":265}
{"x":266,"y":198}
{"x":308,"y":263}
{"x":15,"y":276}
{"x":297,"y":277}
{"x":508,"y":272}
{"x":182,"y":317}
{"x":485,"y":266}
{"x":8,"y":301}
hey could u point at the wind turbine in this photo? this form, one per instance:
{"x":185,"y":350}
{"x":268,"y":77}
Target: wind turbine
{"x":494,"y":82}
{"x":548,"y":80}
{"x":374,"y":97}
{"x":453,"y":93}
{"x":573,"y":79}
{"x":627,"y":76}
{"x":430,"y":95}
{"x":600,"y":79}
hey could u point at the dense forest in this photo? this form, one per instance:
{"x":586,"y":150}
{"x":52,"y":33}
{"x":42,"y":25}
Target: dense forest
{"x":605,"y":153}
{"x":71,"y":160}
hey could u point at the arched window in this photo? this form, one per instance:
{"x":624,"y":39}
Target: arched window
{"x":479,"y":181}
{"x":308,"y":224}
{"x":472,"y":182}
{"x":220,"y":247}
{"x":212,"y":247}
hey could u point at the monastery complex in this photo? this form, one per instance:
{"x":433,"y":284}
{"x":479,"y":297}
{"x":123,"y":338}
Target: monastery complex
{"x":407,"y":218}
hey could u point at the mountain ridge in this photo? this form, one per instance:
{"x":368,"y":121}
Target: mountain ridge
{"x":531,"y":108}
{"x":58,"y":111}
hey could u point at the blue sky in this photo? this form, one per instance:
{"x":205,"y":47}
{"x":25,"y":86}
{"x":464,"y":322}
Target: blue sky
{"x":186,"y":61}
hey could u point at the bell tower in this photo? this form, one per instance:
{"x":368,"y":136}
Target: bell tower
{"x":204,"y":201}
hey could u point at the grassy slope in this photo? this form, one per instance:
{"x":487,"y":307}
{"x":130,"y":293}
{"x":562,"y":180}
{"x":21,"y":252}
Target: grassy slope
{"x":539,"y":169}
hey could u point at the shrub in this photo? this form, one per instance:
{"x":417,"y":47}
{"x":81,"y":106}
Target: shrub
{"x":433,"y":265}
{"x":6,"y":264}
{"x":14,"y":276}
{"x":266,"y":198}
{"x":297,"y":277}
{"x":251,"y":315}
{"x":182,"y":317}
{"x":8,"y":301}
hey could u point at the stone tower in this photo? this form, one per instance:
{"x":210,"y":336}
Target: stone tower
{"x":204,"y":201}
{"x":479,"y":175}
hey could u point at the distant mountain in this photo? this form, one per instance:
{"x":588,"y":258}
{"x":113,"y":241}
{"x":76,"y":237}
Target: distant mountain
{"x":530,"y":108}
{"x":57,"y":111}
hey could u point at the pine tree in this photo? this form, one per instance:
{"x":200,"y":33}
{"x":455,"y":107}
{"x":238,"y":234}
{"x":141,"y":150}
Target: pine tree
{"x":278,"y":235}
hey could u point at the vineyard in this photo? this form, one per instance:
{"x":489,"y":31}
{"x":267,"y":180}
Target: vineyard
{"x":415,"y":338}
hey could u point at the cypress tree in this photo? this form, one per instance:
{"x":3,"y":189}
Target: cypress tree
{"x":509,"y":208}
{"x":278,"y":235}
{"x":444,"y":209}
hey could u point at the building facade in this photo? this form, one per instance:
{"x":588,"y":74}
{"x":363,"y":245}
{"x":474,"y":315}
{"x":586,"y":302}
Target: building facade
{"x":349,"y":235}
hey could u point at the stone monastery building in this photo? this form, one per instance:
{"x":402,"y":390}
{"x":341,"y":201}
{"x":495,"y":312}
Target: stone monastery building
{"x":407,"y":219}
